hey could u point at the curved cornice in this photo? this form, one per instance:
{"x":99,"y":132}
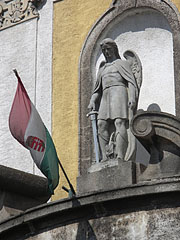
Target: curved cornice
{"x":148,"y":196}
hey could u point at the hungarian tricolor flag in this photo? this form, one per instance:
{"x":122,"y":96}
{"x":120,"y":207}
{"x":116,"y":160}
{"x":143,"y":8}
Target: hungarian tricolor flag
{"x":28,"y":129}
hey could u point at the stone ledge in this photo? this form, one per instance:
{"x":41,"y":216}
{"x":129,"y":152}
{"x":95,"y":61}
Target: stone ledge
{"x":13,"y":180}
{"x":150,"y":195}
{"x":20,"y":191}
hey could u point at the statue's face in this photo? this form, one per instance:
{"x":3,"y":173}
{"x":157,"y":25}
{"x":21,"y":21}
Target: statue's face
{"x":108,"y":51}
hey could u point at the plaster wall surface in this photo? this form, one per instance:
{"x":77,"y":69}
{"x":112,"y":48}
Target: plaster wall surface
{"x":28,"y":48}
{"x":43,"y":71}
{"x":177,"y":3}
{"x":18,"y":50}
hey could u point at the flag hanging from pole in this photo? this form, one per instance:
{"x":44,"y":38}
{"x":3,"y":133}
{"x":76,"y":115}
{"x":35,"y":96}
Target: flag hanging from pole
{"x":28,"y":129}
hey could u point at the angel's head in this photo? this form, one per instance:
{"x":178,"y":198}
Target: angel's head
{"x":109,"y":49}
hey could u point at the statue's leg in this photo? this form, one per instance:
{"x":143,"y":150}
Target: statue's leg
{"x":121,"y":138}
{"x":103,"y":134}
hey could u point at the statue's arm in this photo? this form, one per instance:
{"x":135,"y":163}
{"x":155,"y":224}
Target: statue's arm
{"x":97,"y":93}
{"x":94,"y":99}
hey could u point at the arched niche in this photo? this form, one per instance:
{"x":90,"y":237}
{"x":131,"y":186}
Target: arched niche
{"x":152,"y":30}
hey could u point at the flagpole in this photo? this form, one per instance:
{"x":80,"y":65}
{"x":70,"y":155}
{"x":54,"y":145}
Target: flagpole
{"x":71,"y":191}
{"x":16,"y":73}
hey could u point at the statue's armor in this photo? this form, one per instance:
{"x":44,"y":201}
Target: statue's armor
{"x":114,"y":101}
{"x":111,"y":77}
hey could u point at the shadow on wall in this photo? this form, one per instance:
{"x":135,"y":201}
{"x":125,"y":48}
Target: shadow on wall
{"x":85,"y":231}
{"x":142,"y":155}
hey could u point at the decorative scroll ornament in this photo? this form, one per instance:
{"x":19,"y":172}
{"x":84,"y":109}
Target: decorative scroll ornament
{"x":16,"y":11}
{"x":158,"y":132}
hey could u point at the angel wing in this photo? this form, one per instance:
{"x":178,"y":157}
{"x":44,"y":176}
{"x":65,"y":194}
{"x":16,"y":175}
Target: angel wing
{"x":136,"y":66}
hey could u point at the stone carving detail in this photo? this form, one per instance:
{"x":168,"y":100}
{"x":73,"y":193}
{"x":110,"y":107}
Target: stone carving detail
{"x":13,"y":12}
{"x":159,"y":133}
{"x":115,"y":97}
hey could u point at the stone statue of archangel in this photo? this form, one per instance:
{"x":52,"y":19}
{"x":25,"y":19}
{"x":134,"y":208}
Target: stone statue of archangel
{"x":115,"y":97}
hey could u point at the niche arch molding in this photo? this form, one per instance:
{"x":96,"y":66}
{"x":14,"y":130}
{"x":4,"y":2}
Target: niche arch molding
{"x":90,"y":50}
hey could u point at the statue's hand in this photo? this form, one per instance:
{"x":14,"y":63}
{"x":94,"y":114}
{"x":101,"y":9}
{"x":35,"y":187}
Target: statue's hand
{"x":91,"y":106}
{"x":131,"y":104}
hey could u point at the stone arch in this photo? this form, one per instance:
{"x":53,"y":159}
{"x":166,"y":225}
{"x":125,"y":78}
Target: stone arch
{"x":119,"y":9}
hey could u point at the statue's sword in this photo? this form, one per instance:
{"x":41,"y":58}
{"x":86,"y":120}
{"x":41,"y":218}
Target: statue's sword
{"x":93,"y":117}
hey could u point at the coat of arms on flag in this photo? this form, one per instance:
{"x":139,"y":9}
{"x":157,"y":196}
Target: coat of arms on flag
{"x":28,"y":129}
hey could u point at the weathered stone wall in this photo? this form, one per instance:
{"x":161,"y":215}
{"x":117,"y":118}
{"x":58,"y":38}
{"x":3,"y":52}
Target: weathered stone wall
{"x":143,"y":212}
{"x":143,"y":225}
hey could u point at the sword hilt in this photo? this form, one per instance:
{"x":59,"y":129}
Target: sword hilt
{"x":92,"y":115}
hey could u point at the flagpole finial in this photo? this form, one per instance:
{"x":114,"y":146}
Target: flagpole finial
{"x":15,"y":72}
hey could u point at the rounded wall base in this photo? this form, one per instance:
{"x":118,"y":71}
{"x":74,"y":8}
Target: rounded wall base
{"x":142,"y":211}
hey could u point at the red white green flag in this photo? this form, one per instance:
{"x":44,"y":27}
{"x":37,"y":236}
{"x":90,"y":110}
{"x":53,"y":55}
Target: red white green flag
{"x":28,"y":129}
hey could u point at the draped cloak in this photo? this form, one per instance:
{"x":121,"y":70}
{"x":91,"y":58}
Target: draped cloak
{"x":124,"y":70}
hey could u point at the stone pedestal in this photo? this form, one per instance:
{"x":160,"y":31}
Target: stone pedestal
{"x":106,"y":176}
